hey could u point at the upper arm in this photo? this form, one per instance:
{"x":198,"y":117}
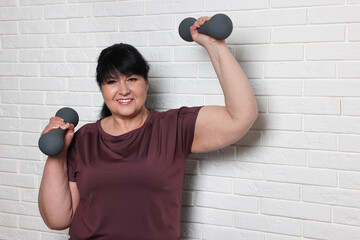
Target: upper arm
{"x":75,"y":196}
{"x":215,"y":128}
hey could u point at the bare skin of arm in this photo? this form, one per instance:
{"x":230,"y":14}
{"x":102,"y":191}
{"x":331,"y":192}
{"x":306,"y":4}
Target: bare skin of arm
{"x":218,"y":126}
{"x":58,"y":198}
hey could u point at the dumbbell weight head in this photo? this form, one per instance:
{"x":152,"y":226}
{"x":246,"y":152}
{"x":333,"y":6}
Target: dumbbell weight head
{"x":52,"y":143}
{"x":219,"y":27}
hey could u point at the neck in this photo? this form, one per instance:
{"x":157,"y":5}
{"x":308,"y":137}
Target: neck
{"x":117,"y":125}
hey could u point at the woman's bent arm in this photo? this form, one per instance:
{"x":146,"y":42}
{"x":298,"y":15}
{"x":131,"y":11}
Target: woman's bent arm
{"x":58,"y":198}
{"x":216,"y":126}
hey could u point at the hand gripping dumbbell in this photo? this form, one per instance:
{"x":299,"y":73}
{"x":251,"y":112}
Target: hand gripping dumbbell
{"x":52,"y":143}
{"x":219,"y":27}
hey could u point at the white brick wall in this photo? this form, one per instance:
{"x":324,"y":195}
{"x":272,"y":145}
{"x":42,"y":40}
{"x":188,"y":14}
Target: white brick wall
{"x":294,"y":176}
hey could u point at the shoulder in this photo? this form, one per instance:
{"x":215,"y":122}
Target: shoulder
{"x":86,"y":129}
{"x":178,"y":113}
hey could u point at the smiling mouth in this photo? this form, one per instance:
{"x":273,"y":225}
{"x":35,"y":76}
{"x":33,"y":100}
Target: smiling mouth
{"x":125,"y":101}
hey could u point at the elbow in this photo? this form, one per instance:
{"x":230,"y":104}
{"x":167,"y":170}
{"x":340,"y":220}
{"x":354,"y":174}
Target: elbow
{"x":56,"y":226}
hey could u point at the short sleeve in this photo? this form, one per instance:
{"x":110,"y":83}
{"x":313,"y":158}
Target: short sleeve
{"x":71,"y":161}
{"x":187,"y":121}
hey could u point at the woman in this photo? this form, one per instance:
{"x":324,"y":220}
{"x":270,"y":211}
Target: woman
{"x":122,"y":176}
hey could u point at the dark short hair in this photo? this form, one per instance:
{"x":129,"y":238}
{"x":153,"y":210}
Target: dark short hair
{"x":119,"y":59}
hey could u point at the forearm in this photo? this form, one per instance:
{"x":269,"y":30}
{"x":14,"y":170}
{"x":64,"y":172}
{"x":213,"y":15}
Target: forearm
{"x":239,"y":97}
{"x":55,"y":202}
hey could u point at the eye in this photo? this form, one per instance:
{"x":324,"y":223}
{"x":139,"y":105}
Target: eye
{"x":133,"y":79}
{"x":110,"y":81}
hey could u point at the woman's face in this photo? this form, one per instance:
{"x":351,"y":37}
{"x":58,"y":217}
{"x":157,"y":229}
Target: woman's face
{"x":125,"y":96}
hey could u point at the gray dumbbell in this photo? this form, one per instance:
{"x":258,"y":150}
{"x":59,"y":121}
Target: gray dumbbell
{"x":52,"y":143}
{"x":219,"y":27}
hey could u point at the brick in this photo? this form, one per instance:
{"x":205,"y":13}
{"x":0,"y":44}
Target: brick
{"x":31,"y":167}
{"x":31,"y":196}
{"x":187,"y":198}
{"x":165,"y":38}
{"x":165,"y":101}
{"x":48,"y":84}
{"x":276,"y":87}
{"x":305,"y":3}
{"x":9,"y":193}
{"x":349,"y":143}
{"x":300,"y":140}
{"x":81,"y":55}
{"x":347,"y":216}
{"x":8,"y":220}
{"x":17,"y":180}
{"x":349,"y":180}
{"x":30,"y":139}
{"x":8,"y":28}
{"x":161,"y":85}
{"x":332,"y":88}
{"x":118,"y":9}
{"x":176,"y":70}
{"x":192,"y":230}
{"x":18,"y":152}
{"x":227,"y":202}
{"x":8,"y":3}
{"x":300,"y":70}
{"x":214,"y":100}
{"x":23,"y":41}
{"x":8,"y":56}
{"x":268,"y":224}
{"x":64,"y":70}
{"x":20,"y":69}
{"x":9,"y":83}
{"x":8,"y":165}
{"x":42,"y":27}
{"x":269,"y":18}
{"x":40,"y":2}
{"x":269,"y":53}
{"x":93,"y":25}
{"x":33,"y":223}
{"x":9,"y":110}
{"x":350,"y":107}
{"x":45,"y":55}
{"x":277,"y":122}
{"x":334,"y":160}
{"x":157,"y":54}
{"x":70,"y":41}
{"x":21,"y":13}
{"x":197,"y":87}
{"x":349,"y":70}
{"x":168,"y":7}
{"x":344,"y":14}
{"x":22,"y":208}
{"x":68,"y":99}
{"x":82,"y":85}
{"x":9,"y":138}
{"x":330,"y":231}
{"x":216,"y":232}
{"x":331,"y":196}
{"x":309,"y":34}
{"x":15,"y":233}
{"x":207,"y":216}
{"x":304,"y":105}
{"x":338,"y":51}
{"x":233,"y":5}
{"x":208,"y":184}
{"x":146,"y":23}
{"x":251,"y":69}
{"x":299,"y":210}
{"x":191,"y":54}
{"x":249,"y":36}
{"x":263,"y":189}
{"x":324,"y":124}
{"x":68,"y":11}
{"x":191,"y":166}
{"x":301,"y":175}
{"x":280,"y":237}
{"x":137,"y":39}
{"x":354,"y":32}
{"x":250,"y":139}
{"x":232,"y":169}
{"x":267,"y":155}
{"x":226,"y":153}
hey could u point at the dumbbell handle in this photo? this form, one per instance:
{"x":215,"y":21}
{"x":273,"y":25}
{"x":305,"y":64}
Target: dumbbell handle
{"x":52,"y":143}
{"x":219,"y":27}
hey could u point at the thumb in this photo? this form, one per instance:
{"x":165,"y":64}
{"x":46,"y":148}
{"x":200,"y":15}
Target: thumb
{"x":69,"y":136}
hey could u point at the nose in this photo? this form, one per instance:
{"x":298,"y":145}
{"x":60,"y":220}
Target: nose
{"x":123,"y":88}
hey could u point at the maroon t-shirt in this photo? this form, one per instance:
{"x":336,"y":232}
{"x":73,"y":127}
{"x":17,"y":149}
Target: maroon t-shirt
{"x":131,"y":185}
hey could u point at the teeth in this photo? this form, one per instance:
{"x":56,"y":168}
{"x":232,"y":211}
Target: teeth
{"x":124,"y":100}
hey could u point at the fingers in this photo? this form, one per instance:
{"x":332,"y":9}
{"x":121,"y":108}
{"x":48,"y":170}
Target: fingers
{"x":55,"y":123}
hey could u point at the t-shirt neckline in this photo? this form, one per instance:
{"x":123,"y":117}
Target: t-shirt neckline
{"x":123,"y":136}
